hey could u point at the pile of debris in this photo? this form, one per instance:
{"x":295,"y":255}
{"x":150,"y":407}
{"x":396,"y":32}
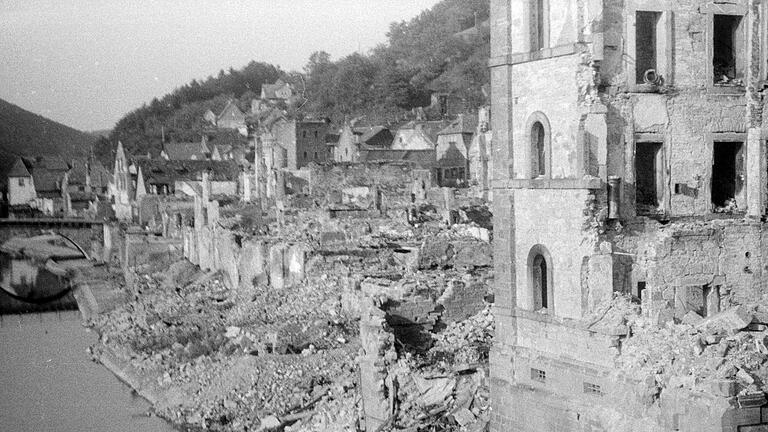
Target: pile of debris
{"x":446,"y":388}
{"x":725,"y":354}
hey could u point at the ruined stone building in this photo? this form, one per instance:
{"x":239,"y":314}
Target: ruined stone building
{"x":629,"y":156}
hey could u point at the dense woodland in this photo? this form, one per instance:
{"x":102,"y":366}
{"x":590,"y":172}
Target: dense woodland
{"x":420,"y":56}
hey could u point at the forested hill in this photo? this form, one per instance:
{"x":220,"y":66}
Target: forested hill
{"x":419,"y":57}
{"x":23,"y":133}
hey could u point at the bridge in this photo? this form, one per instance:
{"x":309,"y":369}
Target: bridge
{"x":87,"y":235}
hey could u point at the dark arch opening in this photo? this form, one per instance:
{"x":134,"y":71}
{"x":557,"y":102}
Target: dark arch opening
{"x":540,"y":285}
{"x":538,"y":137}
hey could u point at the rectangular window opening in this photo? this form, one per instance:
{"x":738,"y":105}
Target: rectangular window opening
{"x":640,"y":290}
{"x":728,"y":50}
{"x":591,"y":388}
{"x":649,"y":178}
{"x":646,"y":44}
{"x":727,"y":177}
{"x":538,"y":375}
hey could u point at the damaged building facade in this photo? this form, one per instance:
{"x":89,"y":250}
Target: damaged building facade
{"x":629,"y":157}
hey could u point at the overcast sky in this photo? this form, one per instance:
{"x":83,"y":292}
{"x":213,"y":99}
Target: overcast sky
{"x":85,"y":63}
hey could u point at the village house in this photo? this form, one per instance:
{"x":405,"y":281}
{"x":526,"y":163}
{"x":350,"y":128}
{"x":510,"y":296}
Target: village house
{"x":231,"y":117}
{"x":629,"y":157}
{"x":38,"y":185}
{"x":418,"y":135}
{"x":137,"y":182}
{"x":302,"y":141}
{"x":452,"y":152}
{"x":186,"y":150}
{"x":353,"y":141}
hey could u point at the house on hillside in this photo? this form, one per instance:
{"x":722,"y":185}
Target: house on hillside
{"x":88,"y":188}
{"x":186,"y":150}
{"x":418,"y":135}
{"x":452,"y":152}
{"x":21,"y":187}
{"x":38,"y":185}
{"x":279,"y":91}
{"x":355,"y":140}
{"x":303,"y":141}
{"x":232,"y":118}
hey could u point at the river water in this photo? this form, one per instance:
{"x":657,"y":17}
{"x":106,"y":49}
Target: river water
{"x":49,"y":383}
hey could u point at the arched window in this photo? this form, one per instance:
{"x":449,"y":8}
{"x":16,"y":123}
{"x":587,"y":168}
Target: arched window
{"x":539,"y":152}
{"x":539,"y":270}
{"x":540,"y":279}
{"x":539,"y":138}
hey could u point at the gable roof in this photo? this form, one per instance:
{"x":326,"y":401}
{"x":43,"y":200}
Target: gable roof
{"x":184,"y":151}
{"x":421,"y":158}
{"x":161,"y":171}
{"x":231,"y":112}
{"x":464,"y":124}
{"x":19,"y":169}
{"x":269,"y":91}
{"x":374,"y":131}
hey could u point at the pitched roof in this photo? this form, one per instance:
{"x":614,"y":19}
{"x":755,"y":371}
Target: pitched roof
{"x":269,"y":91}
{"x":184,"y":151}
{"x":464,"y":124}
{"x":232,"y":111}
{"x":100,"y":176}
{"x":421,"y":158}
{"x":161,"y":171}
{"x":372,"y":132}
{"x":19,"y":169}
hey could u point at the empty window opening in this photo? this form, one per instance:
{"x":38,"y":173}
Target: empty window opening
{"x":537,"y":25}
{"x":538,"y":137}
{"x":640,"y":290}
{"x":594,"y":389}
{"x":649,"y":181}
{"x":540,"y":283}
{"x":728,"y":50}
{"x":646,"y":43}
{"x":727,"y":176}
{"x":538,"y":375}
{"x":305,"y":155}
{"x":21,"y":181}
{"x":711,"y":300}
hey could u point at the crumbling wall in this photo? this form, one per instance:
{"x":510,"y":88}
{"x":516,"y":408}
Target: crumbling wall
{"x":392,"y":180}
{"x":675,"y":264}
{"x":246,"y":262}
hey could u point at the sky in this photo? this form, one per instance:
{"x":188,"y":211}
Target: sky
{"x":86,"y":63}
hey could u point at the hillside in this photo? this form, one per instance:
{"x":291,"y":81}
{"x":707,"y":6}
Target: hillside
{"x":25,"y":133}
{"x":443,"y":49}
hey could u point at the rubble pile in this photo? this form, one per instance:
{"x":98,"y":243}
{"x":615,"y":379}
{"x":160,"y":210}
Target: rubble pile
{"x":725,"y":354}
{"x":446,"y":388}
{"x":228,"y":360}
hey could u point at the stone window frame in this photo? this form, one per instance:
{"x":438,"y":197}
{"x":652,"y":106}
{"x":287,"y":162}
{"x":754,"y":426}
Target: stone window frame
{"x":665,"y":201}
{"x":542,"y":118}
{"x":710,"y":10}
{"x":664,"y":44}
{"x":737,"y":137}
{"x":535,"y":251}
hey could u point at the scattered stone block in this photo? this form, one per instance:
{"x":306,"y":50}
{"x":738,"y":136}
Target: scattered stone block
{"x":734,"y":319}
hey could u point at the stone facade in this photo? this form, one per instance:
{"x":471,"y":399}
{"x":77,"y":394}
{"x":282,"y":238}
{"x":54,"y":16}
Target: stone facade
{"x":629,"y":156}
